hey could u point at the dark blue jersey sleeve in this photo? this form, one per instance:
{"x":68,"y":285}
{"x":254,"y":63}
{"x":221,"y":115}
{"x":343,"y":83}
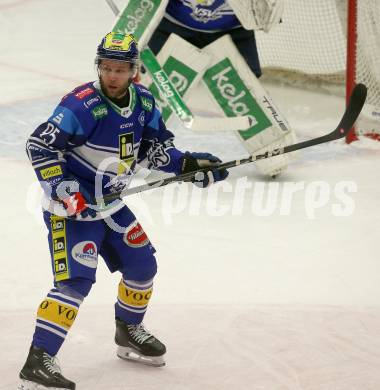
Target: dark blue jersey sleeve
{"x":157,"y":150}
{"x":66,"y":128}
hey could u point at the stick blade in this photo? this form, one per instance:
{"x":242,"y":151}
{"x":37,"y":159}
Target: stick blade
{"x":354,"y":107}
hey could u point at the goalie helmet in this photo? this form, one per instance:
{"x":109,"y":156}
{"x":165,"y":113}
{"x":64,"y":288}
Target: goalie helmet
{"x":118,"y":46}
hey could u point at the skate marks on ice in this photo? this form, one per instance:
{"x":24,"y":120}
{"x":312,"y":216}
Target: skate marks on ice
{"x":219,"y":347}
{"x":285,"y":347}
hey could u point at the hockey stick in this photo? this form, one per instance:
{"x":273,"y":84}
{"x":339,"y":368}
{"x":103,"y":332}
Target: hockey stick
{"x":170,"y":93}
{"x":349,"y":117}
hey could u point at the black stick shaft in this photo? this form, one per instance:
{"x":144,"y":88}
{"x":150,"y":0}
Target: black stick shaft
{"x":350,"y":115}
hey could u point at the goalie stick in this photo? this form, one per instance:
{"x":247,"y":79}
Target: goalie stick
{"x":174,"y":100}
{"x":349,"y":117}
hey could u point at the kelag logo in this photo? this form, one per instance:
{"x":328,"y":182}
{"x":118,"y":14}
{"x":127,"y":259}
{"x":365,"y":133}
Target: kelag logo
{"x":99,"y":111}
{"x":136,"y":16}
{"x":234,"y":98}
{"x":180,"y":75}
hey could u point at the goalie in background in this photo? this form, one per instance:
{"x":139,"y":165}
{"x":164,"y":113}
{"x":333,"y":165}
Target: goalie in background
{"x":227,"y":28}
{"x":201,"y":22}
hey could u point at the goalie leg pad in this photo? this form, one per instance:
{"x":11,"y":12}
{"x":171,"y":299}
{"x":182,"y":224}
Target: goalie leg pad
{"x":238,"y":92}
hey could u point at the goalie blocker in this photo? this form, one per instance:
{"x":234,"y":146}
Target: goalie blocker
{"x":235,"y":91}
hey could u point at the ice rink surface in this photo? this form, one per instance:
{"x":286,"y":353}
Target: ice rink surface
{"x":278,"y":292}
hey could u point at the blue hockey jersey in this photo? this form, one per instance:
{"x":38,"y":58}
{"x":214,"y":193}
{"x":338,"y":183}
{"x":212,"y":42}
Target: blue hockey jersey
{"x":203,"y":15}
{"x":92,"y":139}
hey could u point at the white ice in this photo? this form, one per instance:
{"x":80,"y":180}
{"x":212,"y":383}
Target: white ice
{"x":281,"y":299}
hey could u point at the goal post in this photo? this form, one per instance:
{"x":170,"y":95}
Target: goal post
{"x":328,"y":45}
{"x":352,"y":38}
{"x":363,"y":62}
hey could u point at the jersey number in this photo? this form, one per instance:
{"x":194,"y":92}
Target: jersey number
{"x":49,"y":135}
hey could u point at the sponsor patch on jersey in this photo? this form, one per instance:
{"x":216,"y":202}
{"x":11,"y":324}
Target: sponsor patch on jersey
{"x":84,"y":92}
{"x":126,"y":152}
{"x":92,"y":101}
{"x":126,"y":146}
{"x":53,"y":171}
{"x":136,"y":237}
{"x":146,"y":103}
{"x":99,"y":111}
{"x":85,"y":253}
{"x":126,"y":125}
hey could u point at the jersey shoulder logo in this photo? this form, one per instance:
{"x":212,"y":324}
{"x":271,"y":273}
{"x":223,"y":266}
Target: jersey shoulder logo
{"x":90,"y":102}
{"x":158,"y":155}
{"x":81,"y":94}
{"x":147,"y":104}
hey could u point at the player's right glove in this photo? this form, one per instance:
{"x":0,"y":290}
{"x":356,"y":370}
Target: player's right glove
{"x":194,"y":161}
{"x":74,"y":197}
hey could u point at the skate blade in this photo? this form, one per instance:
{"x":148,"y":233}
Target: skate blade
{"x":130,"y":354}
{"x":27,"y":385}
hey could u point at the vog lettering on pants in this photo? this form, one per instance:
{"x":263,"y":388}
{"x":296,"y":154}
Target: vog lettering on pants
{"x":134,"y":297}
{"x":57,"y":313}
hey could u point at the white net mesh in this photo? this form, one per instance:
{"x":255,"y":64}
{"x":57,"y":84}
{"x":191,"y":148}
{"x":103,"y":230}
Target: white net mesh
{"x":309,"y":49}
{"x":368,"y":49}
{"x":310,"y":41}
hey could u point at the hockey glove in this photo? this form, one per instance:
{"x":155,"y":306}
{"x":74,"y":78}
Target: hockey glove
{"x":194,"y":161}
{"x":74,"y":197}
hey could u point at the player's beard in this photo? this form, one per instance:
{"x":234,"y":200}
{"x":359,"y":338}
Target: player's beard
{"x":117,"y":92}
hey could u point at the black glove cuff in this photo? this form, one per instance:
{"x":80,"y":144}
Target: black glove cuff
{"x":189,"y":163}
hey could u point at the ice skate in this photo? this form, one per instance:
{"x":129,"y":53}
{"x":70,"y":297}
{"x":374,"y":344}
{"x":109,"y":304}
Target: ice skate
{"x":41,"y":371}
{"x":137,"y":344}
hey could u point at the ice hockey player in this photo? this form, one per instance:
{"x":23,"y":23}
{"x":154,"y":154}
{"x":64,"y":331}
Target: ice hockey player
{"x":97,"y":135}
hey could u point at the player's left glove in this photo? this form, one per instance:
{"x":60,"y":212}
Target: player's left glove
{"x":194,"y":161}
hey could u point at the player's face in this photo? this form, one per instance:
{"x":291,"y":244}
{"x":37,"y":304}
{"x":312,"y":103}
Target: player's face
{"x":115,"y":77}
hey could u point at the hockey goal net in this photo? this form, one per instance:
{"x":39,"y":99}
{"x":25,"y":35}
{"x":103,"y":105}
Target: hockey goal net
{"x":333,"y":44}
